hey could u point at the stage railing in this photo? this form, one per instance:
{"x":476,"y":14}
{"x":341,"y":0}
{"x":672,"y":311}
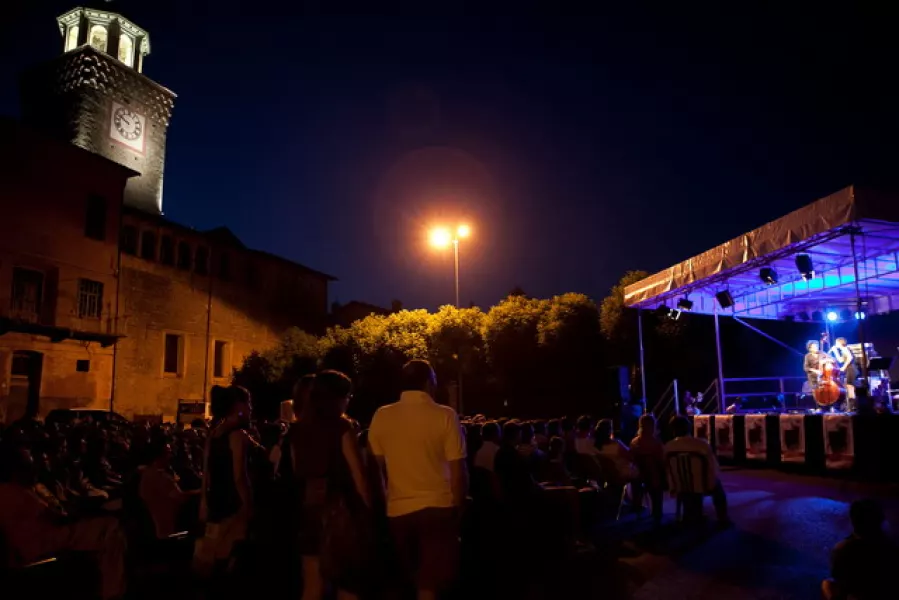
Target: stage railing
{"x":670,"y":396}
{"x":789,"y":388}
{"x":710,"y":398}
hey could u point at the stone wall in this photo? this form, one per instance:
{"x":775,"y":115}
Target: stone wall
{"x":246,"y":309}
{"x":44,"y":190}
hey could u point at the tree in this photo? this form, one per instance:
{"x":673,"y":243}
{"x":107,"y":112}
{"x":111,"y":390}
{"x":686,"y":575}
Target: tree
{"x":455,"y":338}
{"x":510,"y":336}
{"x":270,"y":375}
{"x":572,"y":352}
{"x":620,"y":328}
{"x":517,"y":291}
{"x":617,"y":323}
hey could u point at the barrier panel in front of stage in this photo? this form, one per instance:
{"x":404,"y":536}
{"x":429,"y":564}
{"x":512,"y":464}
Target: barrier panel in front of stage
{"x":863,"y":445}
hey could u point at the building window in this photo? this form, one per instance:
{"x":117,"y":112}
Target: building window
{"x":201,"y":260}
{"x":82,"y":366}
{"x":221,"y":359}
{"x":27,"y":294}
{"x":129,"y":240}
{"x":22,"y":363}
{"x":173,"y":353}
{"x":148,"y":245}
{"x":90,"y":299}
{"x":72,"y":38}
{"x":224,"y":266}
{"x":95,"y":218}
{"x":126,"y":49}
{"x":167,"y":250}
{"x":184,"y":256}
{"x":98,"y":38}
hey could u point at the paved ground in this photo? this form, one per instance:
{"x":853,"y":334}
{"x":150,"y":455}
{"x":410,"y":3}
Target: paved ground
{"x":784,"y":528}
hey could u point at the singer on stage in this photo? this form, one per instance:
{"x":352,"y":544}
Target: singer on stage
{"x":845,"y":360}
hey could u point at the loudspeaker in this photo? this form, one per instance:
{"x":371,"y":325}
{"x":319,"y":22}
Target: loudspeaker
{"x":725,"y":299}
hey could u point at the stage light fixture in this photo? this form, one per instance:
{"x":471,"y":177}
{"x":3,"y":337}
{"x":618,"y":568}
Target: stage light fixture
{"x":804,"y":264}
{"x":845,"y":314}
{"x":768,"y":276}
{"x":724,"y":299}
{"x":832,"y":315}
{"x":803,"y":316}
{"x":817,"y":316}
{"x":685,"y":304}
{"x":860,"y":315}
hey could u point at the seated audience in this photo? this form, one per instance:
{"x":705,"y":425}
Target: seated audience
{"x":684,"y":442}
{"x":648,"y":454}
{"x":613,"y":455}
{"x":513,"y":472}
{"x":34,"y":531}
{"x":554,"y":471}
{"x":160,"y":492}
{"x":540,"y":436}
{"x":583,"y":440}
{"x":486,"y":455}
{"x":861,"y":565}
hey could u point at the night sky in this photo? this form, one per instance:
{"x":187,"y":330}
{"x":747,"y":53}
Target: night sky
{"x":576,"y":147}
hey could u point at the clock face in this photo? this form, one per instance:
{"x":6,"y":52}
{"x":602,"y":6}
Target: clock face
{"x":127,"y":123}
{"x":127,"y":127}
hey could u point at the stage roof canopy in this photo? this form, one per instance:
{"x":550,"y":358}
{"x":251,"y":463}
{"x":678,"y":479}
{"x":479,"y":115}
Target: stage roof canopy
{"x":826,"y":232}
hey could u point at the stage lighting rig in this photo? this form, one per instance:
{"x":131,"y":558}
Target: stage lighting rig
{"x":768,"y":276}
{"x":685,"y":304}
{"x":805,"y":266}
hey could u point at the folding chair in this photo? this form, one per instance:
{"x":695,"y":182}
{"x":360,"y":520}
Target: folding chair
{"x":688,"y":481}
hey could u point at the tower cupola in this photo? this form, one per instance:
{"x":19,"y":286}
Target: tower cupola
{"x":107,"y":32}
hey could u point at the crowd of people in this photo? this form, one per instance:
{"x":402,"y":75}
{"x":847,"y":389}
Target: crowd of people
{"x":373,"y":511}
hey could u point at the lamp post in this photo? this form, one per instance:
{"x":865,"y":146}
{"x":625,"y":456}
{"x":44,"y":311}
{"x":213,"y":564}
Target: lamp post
{"x":442,"y":237}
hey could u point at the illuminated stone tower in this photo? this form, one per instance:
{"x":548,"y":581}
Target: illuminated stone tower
{"x":96,"y":97}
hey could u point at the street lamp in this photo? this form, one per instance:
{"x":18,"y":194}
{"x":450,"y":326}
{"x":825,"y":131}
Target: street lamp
{"x":442,"y":237}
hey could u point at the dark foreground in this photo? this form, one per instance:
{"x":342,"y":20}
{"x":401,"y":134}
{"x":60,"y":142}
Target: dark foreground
{"x":779,"y":546}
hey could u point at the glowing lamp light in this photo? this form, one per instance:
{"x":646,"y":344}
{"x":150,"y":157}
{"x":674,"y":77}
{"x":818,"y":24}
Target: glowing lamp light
{"x":860,"y":316}
{"x":440,"y":237}
{"x":463,"y":231}
{"x":832,"y":315}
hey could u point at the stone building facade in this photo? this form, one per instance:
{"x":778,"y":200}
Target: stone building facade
{"x":149,"y":313}
{"x":60,"y":208}
{"x":194,"y":304}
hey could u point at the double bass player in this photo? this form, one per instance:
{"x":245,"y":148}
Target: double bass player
{"x":812,"y":364}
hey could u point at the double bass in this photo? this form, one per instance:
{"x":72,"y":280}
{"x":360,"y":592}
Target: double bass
{"x":828,"y":391}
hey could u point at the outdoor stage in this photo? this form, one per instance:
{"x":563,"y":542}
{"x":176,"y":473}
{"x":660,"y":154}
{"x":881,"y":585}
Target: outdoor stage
{"x":834,"y":261}
{"x":861,"y":445}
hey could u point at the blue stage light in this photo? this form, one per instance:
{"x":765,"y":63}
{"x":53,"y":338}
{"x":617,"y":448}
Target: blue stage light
{"x":860,"y":315}
{"x":832,"y":315}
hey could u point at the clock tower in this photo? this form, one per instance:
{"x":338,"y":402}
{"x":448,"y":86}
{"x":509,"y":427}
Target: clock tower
{"x":96,"y":96}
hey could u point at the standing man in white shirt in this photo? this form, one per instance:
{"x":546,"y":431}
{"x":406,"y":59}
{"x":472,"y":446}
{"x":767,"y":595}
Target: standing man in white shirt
{"x":419,"y":447}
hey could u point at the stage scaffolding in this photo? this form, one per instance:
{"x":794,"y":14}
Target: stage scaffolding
{"x":851,"y":239}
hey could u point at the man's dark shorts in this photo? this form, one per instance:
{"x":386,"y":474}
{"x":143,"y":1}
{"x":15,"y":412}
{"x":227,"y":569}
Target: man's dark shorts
{"x":427,"y":542}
